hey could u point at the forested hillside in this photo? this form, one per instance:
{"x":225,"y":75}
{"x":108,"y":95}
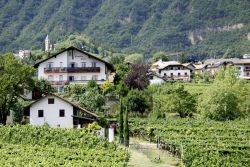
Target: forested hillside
{"x":197,"y":27}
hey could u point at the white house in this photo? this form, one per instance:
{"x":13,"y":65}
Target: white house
{"x":58,"y":112}
{"x":171,"y":70}
{"x":156,"y":79}
{"x":72,"y":66}
{"x":243,"y":66}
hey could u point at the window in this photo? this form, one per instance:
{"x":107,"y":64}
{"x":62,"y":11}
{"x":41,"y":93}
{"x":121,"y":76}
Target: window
{"x":83,"y":64}
{"x":72,"y":65}
{"x":60,"y":77}
{"x":50,"y":78}
{"x":51,"y":101}
{"x":93,"y":64}
{"x":151,"y":77}
{"x":172,"y":74}
{"x":165,"y":74}
{"x":95,"y":77}
{"x":61,"y":64}
{"x":179,"y":68}
{"x":186,"y":74}
{"x":61,"y":113}
{"x":179,"y":74}
{"x":50,"y":64}
{"x":71,"y":78}
{"x":171,"y":68}
{"x":40,"y":113}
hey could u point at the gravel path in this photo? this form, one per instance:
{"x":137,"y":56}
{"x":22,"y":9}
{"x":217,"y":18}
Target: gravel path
{"x":145,"y":154}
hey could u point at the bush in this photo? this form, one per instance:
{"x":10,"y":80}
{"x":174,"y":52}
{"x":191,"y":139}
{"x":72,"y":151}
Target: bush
{"x":92,"y":100}
{"x":138,"y":101}
{"x":173,"y":99}
{"x":219,"y":104}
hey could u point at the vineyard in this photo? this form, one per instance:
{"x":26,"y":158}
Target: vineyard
{"x":43,"y":146}
{"x":199,"y":142}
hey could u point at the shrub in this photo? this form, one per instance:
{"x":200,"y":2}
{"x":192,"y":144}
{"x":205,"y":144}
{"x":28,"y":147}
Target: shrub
{"x":219,"y":104}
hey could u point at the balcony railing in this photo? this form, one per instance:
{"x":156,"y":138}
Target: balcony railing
{"x":74,"y":82}
{"x":71,"y":70}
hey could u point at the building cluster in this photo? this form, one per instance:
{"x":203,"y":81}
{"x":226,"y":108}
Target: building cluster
{"x":74,"y":66}
{"x":161,"y":71}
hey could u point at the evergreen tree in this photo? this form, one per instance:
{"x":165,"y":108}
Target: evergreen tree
{"x":126,"y":129}
{"x":120,"y":126}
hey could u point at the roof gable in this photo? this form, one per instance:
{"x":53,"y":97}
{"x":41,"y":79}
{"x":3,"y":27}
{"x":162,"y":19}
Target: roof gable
{"x":74,"y":48}
{"x":66,"y":101}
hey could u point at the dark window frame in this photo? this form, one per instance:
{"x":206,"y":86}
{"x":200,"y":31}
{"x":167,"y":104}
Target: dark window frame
{"x":40,"y":113}
{"x":61,"y":113}
{"x":51,"y":101}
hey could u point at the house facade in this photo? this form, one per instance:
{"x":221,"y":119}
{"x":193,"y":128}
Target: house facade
{"x":73,"y":66}
{"x":58,"y":112}
{"x":243,"y":66}
{"x":171,"y":70}
{"x":155,"y":79}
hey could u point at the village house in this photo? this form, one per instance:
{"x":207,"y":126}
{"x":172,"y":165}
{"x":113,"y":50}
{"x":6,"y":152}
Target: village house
{"x":200,"y":68}
{"x":73,"y":66}
{"x":190,"y":66}
{"x":56,"y":111}
{"x":171,"y":70}
{"x":243,"y":66}
{"x":156,"y":79}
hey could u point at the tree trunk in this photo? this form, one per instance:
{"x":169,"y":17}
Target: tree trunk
{"x":4,"y":119}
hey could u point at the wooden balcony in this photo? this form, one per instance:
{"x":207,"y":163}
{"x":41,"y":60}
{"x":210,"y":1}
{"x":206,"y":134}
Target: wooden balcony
{"x":72,"y":70}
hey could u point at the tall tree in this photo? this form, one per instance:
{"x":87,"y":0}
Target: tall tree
{"x":137,"y":77}
{"x":126,"y":129}
{"x":15,"y":78}
{"x":120,"y":126}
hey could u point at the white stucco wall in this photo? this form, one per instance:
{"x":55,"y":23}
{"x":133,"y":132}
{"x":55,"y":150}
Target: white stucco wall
{"x":156,"y":80}
{"x":51,"y":113}
{"x":175,"y":73}
{"x":66,"y":59}
{"x":243,"y":74}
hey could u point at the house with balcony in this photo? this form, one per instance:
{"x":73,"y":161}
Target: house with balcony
{"x":171,"y":70}
{"x":243,"y":66}
{"x":73,"y":66}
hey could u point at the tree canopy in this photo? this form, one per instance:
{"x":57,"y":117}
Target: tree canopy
{"x":15,"y":78}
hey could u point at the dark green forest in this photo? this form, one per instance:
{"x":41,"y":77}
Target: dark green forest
{"x":200,"y":28}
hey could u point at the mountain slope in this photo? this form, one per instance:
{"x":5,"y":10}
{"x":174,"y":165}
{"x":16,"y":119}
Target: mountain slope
{"x":199,"y":27}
